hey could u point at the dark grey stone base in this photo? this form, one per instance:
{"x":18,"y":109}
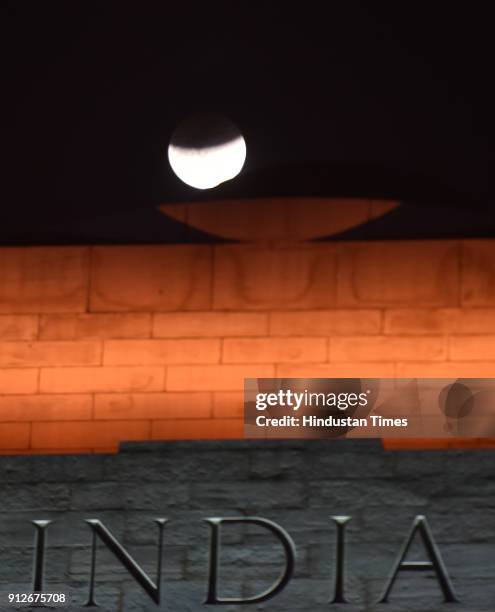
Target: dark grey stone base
{"x":299,"y":485}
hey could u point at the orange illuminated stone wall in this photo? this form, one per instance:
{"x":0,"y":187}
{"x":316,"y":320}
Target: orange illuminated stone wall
{"x":104,"y":344}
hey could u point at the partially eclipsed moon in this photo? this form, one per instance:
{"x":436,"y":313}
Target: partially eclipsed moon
{"x":206,"y":150}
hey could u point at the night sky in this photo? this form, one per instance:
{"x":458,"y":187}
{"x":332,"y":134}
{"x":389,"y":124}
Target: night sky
{"x":354,"y":98}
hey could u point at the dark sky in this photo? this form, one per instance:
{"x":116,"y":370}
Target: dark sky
{"x":343,"y":98}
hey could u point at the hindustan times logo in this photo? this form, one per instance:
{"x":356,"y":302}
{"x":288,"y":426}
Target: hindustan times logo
{"x":294,"y":400}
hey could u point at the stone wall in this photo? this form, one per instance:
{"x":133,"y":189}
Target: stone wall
{"x":299,"y":485}
{"x":104,"y":344}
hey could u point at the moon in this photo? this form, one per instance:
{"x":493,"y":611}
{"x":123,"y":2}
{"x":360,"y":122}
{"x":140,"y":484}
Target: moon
{"x":206,"y":150}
